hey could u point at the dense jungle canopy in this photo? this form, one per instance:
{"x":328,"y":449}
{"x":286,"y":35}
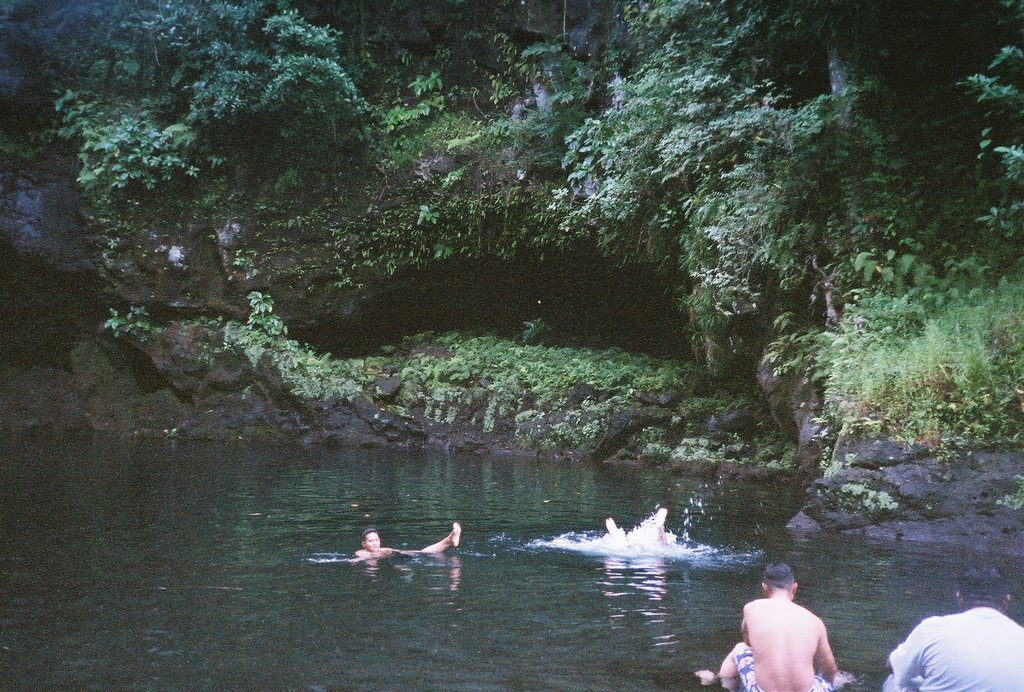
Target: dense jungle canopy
{"x":834,"y":183}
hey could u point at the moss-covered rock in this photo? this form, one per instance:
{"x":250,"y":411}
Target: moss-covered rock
{"x":893,"y":490}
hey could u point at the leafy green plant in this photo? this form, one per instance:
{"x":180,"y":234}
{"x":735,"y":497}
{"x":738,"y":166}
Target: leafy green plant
{"x":135,"y":322}
{"x":428,"y":90}
{"x":860,"y":497}
{"x":794,"y":351}
{"x":656,"y":453}
{"x":262,"y":317}
{"x":427,"y":215}
{"x":290,"y":82}
{"x":698,"y":450}
{"x":123,"y":151}
{"x":564,"y":430}
{"x":892,"y":268}
{"x":1015,"y":500}
{"x":950,"y":368}
{"x":1001,"y":91}
{"x":536,"y":331}
{"x":175,"y":82}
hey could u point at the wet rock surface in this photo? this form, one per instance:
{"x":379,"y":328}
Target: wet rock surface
{"x":795,"y":406}
{"x":888,"y":490}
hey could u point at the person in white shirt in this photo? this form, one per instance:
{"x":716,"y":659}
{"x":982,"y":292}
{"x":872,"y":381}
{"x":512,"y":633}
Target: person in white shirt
{"x":977,"y":650}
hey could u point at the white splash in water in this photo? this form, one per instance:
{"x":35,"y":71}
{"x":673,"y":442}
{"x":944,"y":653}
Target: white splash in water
{"x":327,"y":558}
{"x":642,"y":541}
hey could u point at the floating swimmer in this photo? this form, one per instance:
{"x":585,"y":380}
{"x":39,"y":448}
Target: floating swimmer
{"x":372,"y":549}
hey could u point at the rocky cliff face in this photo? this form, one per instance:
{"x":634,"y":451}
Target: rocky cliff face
{"x":63,"y":374}
{"x":887,"y":489}
{"x":796,"y":408}
{"x":60,"y":370}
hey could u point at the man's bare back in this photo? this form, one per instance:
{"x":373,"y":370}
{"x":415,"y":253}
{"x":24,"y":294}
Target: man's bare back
{"x":789,"y":643}
{"x":785,"y":646}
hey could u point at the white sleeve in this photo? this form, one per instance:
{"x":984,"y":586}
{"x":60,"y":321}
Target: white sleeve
{"x":906,"y":659}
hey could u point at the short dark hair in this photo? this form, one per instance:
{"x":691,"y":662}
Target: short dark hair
{"x":982,"y":586}
{"x":368,"y":530}
{"x":778,"y":575}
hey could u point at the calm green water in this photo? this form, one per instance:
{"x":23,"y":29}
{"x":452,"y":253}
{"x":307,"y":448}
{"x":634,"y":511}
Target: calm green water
{"x":189,"y":566}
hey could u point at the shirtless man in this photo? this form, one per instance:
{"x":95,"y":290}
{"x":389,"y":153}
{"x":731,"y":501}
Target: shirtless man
{"x":372,"y":549}
{"x":618,"y":534}
{"x":784,"y":642}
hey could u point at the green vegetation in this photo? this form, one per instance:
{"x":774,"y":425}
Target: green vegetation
{"x":554,"y":400}
{"x":543,"y":370}
{"x":851,"y":172}
{"x":159,"y":90}
{"x":135,"y":322}
{"x":948,"y":366}
{"x":125,"y":150}
{"x":1016,"y":500}
{"x":859,"y":497}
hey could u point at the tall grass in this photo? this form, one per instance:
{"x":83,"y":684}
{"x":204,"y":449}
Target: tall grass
{"x":947,"y":367}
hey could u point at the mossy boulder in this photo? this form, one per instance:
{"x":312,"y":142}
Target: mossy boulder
{"x":892,"y":490}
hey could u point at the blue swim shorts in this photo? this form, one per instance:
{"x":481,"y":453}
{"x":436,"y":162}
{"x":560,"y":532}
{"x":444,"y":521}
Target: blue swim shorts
{"x":745,"y":666}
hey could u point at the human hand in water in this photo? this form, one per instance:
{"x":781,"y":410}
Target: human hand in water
{"x":706,"y":677}
{"x":842,"y":678}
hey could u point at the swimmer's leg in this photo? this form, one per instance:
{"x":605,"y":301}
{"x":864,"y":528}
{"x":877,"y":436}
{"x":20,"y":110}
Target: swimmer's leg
{"x":659,"y":522}
{"x":613,"y":530}
{"x":449,"y":541}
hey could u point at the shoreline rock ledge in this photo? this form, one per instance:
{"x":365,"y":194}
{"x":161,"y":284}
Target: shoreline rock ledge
{"x":892,"y":491}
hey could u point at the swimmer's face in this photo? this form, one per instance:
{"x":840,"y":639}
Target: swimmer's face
{"x":371,"y":541}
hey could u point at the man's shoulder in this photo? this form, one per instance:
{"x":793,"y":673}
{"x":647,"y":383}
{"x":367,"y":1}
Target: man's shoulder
{"x":996,"y":618}
{"x":953,"y":622}
{"x":753,"y":606}
{"x":937,"y":622}
{"x":774,"y":609}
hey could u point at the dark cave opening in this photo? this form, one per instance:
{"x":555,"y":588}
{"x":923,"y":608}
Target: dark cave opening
{"x":582,"y":300}
{"x":45,"y":311}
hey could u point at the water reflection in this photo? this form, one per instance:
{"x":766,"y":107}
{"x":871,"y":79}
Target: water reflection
{"x":203,"y":566}
{"x":444,"y":581}
{"x":443,"y":573}
{"x":638,"y":588}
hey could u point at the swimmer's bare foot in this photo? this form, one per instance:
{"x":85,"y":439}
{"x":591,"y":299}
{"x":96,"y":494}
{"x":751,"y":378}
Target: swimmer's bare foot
{"x":706,"y":677}
{"x":449,"y":541}
{"x":659,"y":522}
{"x":660,"y":515}
{"x":613,"y":530}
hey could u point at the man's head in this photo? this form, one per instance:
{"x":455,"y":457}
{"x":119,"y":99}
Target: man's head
{"x":982,"y":586}
{"x":778,"y":576}
{"x":371,"y":539}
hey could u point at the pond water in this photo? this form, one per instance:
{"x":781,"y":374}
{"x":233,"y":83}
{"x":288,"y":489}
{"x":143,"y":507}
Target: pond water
{"x":202,"y":566}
